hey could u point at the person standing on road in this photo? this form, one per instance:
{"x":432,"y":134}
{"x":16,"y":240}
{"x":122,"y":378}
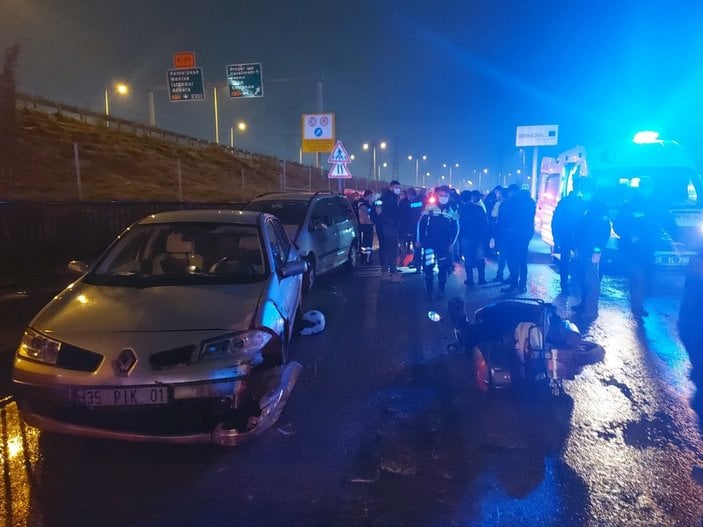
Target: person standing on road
{"x":366,"y":227}
{"x":406,"y":238}
{"x":496,"y":232}
{"x":691,"y":329}
{"x":388,"y":225}
{"x":641,"y":223}
{"x":565,"y":224}
{"x":437,"y":234}
{"x":473,"y":226}
{"x":417,"y":205}
{"x":592,"y":235}
{"x":518,"y":213}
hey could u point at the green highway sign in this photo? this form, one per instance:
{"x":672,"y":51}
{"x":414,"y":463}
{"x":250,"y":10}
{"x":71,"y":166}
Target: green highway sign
{"x":244,"y":80}
{"x":186,"y":85}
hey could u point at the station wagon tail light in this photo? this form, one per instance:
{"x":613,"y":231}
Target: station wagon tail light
{"x":35,"y":346}
{"x":246,"y":345}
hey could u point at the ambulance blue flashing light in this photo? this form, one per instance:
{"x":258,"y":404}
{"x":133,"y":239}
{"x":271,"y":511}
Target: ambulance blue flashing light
{"x":646,"y":137}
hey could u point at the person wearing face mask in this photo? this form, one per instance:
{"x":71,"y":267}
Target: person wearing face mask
{"x":388,"y":220}
{"x":437,"y":232}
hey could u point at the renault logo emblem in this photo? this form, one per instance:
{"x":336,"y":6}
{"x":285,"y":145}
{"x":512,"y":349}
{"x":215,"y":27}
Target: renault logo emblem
{"x":126,"y":360}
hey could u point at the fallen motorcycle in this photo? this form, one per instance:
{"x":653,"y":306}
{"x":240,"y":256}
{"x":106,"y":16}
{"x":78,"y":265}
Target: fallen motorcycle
{"x":521,"y":342}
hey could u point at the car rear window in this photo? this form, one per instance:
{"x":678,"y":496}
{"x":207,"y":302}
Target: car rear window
{"x":288,"y":212}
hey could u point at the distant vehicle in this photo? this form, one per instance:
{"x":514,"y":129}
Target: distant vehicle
{"x":615,"y":168}
{"x":322,"y":225}
{"x":179,"y":333}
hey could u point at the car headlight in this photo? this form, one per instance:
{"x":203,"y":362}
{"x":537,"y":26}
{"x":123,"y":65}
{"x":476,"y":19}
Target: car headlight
{"x":36,"y":346}
{"x":244,"y":345}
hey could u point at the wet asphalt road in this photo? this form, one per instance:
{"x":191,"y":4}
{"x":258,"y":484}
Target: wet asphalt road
{"x":385,"y":429}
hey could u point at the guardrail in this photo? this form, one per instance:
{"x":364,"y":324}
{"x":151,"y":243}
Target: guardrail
{"x":97,"y":118}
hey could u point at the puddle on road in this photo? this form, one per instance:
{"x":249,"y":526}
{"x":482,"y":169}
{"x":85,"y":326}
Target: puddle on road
{"x":658,"y":431}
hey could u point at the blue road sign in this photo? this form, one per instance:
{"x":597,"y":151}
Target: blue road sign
{"x":186,"y":85}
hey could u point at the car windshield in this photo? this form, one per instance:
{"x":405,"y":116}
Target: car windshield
{"x":288,"y":212}
{"x":182,"y":254}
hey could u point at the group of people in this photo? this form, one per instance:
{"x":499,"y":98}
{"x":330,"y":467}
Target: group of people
{"x":581,"y":227}
{"x":446,"y":227}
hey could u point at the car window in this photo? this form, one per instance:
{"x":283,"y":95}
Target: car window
{"x":289,"y":212}
{"x":279,"y":248}
{"x":182,"y":253}
{"x":343,"y":210}
{"x":282,"y":238}
{"x":321,"y":216}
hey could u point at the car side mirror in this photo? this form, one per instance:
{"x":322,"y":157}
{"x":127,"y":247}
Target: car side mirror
{"x":76,"y":267}
{"x":293,"y":268}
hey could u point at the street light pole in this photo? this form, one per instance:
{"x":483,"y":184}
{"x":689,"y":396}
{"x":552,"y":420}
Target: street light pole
{"x":241,"y":126}
{"x":152,"y":109}
{"x":217,"y":115}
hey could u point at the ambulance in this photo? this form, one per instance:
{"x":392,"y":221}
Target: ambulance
{"x":614,"y":169}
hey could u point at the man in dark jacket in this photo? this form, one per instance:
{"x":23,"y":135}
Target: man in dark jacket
{"x":388,"y":220}
{"x":437,"y":233}
{"x":473,"y":227}
{"x":565,"y":224}
{"x":517,"y":218}
{"x":642,"y":223}
{"x":592,"y":235}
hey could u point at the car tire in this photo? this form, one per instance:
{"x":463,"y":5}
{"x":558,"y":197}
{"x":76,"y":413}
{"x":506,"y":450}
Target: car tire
{"x":310,"y":275}
{"x":352,"y":259}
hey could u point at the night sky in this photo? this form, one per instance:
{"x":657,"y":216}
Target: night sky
{"x":449,"y":79}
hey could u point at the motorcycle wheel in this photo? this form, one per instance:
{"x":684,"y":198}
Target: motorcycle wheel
{"x":481,"y":373}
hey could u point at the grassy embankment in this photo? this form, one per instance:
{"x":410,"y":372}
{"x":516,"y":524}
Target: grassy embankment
{"x":120,"y":165}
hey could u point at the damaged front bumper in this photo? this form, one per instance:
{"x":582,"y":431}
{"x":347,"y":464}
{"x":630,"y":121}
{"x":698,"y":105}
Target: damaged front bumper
{"x":224,"y":433}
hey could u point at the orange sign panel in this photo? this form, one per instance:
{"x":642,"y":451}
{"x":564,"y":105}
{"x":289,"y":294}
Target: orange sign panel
{"x":184,"y":59}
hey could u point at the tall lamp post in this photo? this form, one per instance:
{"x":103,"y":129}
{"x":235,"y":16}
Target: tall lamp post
{"x":124,"y":90}
{"x":382,"y":165}
{"x":121,"y":89}
{"x":241,"y":126}
{"x":451,"y":166}
{"x":382,"y":145}
{"x":417,"y":166}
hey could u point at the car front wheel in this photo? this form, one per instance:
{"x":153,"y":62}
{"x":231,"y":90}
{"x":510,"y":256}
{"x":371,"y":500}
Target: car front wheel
{"x":352,"y":259}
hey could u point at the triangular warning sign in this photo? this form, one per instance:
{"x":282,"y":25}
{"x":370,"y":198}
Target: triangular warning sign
{"x":339,"y":154}
{"x":339,"y":171}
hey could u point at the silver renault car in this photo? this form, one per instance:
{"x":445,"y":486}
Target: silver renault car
{"x":178,"y":333}
{"x":322,"y":225}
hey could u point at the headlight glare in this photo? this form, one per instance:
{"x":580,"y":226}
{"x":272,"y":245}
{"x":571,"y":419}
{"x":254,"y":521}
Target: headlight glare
{"x":245,"y":345}
{"x":36,"y":346}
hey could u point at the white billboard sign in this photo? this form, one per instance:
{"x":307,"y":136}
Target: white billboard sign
{"x":538,"y":135}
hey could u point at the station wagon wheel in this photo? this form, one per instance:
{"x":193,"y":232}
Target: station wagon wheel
{"x":353,"y":258}
{"x":310,"y":275}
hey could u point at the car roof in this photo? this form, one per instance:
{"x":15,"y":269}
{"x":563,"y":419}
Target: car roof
{"x":294,"y":196}
{"x":217,"y":216}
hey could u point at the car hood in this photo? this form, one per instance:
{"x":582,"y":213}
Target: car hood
{"x":98,"y":308}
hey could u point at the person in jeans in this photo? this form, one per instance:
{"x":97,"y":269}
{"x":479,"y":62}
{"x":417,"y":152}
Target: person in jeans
{"x":473,"y":227}
{"x":517,"y":216}
{"x":592,"y":236}
{"x":417,"y":206}
{"x":565,"y":224}
{"x":437,"y":233}
{"x":388,"y":220}
{"x":366,"y":227}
